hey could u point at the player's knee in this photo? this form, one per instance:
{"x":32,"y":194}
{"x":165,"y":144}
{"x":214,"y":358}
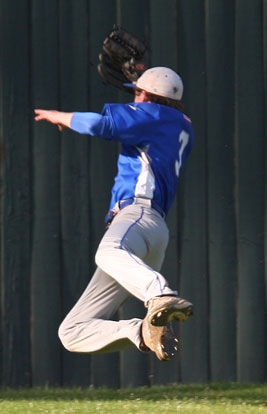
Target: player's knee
{"x":99,"y":257}
{"x":65,"y":337}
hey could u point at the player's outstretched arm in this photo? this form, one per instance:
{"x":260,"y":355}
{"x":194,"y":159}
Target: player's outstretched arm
{"x":62,"y":119}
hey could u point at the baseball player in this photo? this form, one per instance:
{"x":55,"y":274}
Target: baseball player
{"x":156,"y":138}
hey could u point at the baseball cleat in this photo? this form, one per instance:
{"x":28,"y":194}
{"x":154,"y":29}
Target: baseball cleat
{"x":160,"y":340}
{"x":164,"y":309}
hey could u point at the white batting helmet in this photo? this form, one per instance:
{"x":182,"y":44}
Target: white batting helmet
{"x":160,"y":81}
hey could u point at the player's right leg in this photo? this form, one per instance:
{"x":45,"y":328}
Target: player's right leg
{"x":124,"y":249}
{"x":132,"y":252}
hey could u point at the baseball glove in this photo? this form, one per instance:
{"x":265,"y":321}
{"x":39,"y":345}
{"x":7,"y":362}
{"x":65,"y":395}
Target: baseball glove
{"x":123,"y":60}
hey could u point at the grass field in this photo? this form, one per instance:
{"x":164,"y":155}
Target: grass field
{"x":212,"y":398}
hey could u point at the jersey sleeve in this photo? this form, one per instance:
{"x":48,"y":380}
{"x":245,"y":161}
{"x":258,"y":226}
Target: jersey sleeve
{"x":117,"y":122}
{"x":93,"y":124}
{"x":131,"y":124}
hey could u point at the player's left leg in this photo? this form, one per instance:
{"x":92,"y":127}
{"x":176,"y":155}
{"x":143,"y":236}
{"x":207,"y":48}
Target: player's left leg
{"x":87,"y":328}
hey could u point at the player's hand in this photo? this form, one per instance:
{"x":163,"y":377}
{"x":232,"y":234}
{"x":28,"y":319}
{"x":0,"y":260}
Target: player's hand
{"x":47,"y":115}
{"x":62,"y":119}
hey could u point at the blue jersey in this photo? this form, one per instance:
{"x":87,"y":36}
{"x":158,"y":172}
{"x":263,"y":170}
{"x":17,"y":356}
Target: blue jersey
{"x":156,"y":141}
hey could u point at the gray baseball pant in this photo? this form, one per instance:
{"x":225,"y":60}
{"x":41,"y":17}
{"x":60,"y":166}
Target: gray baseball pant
{"x":128,"y":260}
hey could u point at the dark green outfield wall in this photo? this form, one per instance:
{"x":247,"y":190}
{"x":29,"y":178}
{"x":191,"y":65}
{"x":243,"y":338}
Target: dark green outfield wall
{"x":55,"y":187}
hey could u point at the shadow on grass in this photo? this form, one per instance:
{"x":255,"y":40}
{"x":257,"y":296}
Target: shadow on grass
{"x":254,"y":394}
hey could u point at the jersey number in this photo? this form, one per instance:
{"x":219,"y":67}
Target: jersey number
{"x":183,"y":140}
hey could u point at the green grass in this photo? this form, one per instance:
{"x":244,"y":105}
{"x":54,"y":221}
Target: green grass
{"x":212,"y":398}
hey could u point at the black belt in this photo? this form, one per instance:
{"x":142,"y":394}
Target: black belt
{"x":124,"y":203}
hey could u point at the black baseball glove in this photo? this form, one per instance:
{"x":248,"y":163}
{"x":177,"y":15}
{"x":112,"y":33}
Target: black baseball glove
{"x":123,"y":60}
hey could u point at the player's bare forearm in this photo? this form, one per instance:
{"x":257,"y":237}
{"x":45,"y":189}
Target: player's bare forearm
{"x":62,"y":119}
